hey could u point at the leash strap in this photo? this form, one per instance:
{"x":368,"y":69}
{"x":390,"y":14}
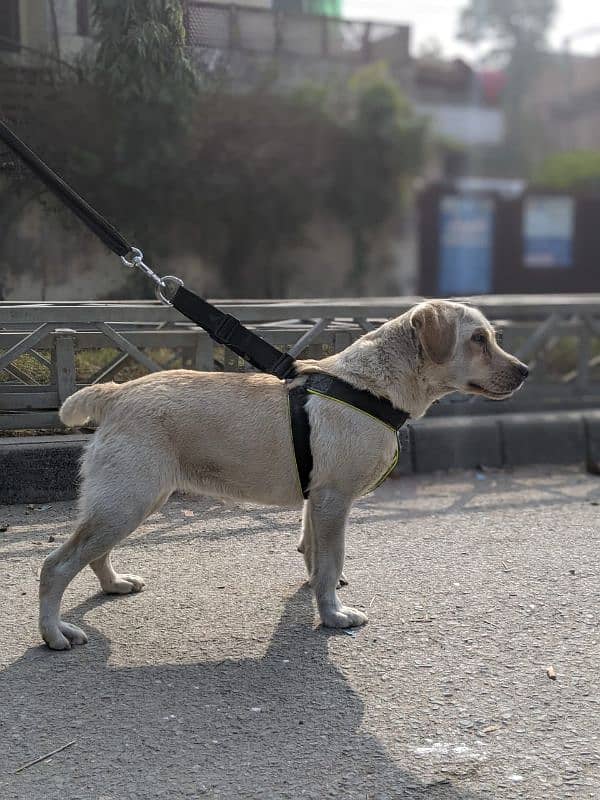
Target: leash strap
{"x":229,"y":331}
{"x":88,"y":215}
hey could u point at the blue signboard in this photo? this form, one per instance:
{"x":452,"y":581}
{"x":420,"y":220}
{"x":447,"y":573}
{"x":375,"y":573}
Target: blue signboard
{"x":466,"y":241}
{"x":548,"y":224}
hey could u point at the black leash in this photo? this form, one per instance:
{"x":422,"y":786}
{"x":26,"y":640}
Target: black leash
{"x":88,"y":215}
{"x":221,"y":327}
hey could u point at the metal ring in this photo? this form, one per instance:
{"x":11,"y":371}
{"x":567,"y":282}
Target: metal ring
{"x":137,"y":257}
{"x":175,"y":284}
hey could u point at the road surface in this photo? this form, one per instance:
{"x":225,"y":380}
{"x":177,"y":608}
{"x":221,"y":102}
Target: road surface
{"x":216,"y":681}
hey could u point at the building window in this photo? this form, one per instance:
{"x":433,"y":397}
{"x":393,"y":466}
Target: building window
{"x":10,"y":29}
{"x":83,"y":18}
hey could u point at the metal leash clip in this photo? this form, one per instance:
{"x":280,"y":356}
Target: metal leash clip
{"x":164,"y":288}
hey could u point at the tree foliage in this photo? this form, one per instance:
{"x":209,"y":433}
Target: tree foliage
{"x":507,"y":24}
{"x":141,"y":50}
{"x":515,"y":32}
{"x":384,"y":147}
{"x":574,"y":170}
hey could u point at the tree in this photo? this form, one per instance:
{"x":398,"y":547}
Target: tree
{"x":507,"y":24}
{"x":141,"y":50}
{"x":515,"y":31}
{"x":261,"y":167}
{"x":383,"y":148}
{"x":574,"y":170}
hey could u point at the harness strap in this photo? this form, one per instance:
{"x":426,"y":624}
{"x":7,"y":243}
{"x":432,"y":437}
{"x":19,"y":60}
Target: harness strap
{"x":377,"y":407}
{"x":297,"y":398}
{"x":324,"y":385}
{"x":227,"y":330}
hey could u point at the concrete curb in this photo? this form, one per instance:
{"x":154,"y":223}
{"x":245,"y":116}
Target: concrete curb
{"x":41,"y":469}
{"x":504,"y":440}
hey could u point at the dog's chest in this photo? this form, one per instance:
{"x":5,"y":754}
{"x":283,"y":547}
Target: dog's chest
{"x":350,"y":449}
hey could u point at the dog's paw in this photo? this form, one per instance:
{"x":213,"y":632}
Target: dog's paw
{"x":63,"y":636}
{"x":125,"y":584}
{"x":343,"y":617}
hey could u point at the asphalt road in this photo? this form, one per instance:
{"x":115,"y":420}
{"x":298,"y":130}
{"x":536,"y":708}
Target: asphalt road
{"x":216,"y":682}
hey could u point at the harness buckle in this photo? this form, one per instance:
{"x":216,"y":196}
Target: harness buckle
{"x":285,"y":367}
{"x":225,"y":329}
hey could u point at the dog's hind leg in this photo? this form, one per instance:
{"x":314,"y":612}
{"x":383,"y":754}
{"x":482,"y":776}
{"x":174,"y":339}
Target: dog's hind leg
{"x":328,"y":512}
{"x":113,"y":582}
{"x":115,"y":500}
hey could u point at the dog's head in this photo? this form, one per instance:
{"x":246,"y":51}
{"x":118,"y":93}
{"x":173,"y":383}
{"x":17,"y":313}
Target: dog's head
{"x":462,"y":351}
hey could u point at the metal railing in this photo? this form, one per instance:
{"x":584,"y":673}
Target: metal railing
{"x":230,"y":27}
{"x":49,"y":350}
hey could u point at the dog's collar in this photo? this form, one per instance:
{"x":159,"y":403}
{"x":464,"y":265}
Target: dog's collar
{"x":323,"y":385}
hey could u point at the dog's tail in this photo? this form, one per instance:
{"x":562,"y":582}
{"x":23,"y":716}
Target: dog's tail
{"x":90,"y":403}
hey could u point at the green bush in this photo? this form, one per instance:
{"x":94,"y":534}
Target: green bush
{"x":577,"y":170}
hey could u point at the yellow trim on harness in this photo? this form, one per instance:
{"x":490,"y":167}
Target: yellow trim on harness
{"x":390,"y":469}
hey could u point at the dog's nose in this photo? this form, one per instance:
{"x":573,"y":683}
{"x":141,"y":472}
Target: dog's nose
{"x":523,"y":370}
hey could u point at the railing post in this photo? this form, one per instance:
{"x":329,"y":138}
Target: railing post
{"x":64,"y":362}
{"x":584,"y":356}
{"x":203,"y":359}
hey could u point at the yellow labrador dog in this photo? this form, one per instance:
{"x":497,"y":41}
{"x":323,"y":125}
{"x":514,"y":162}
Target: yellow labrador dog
{"x":228,"y":435}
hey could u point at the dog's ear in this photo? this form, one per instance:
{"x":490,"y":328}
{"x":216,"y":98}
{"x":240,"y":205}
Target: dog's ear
{"x":437,"y":329}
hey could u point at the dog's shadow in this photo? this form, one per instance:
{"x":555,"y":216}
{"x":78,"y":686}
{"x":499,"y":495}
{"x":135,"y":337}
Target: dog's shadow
{"x":286,"y":725}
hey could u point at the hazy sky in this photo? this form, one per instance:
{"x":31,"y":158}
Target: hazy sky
{"x":438,"y":19}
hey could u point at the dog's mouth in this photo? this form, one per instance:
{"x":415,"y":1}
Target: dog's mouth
{"x":475,"y":388}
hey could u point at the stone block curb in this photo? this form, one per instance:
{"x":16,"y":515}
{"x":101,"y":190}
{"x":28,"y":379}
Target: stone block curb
{"x":40,"y":469}
{"x":457,"y":443}
{"x":45,"y":469}
{"x":543,"y":438}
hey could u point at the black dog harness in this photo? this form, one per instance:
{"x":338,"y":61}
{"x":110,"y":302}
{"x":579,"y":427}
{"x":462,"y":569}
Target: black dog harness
{"x":324,"y":385}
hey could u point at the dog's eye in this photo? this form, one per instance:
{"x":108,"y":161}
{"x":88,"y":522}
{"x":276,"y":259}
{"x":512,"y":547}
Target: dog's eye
{"x":479,"y":338}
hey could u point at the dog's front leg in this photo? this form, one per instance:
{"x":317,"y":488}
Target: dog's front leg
{"x":326,"y":513}
{"x":306,"y":546}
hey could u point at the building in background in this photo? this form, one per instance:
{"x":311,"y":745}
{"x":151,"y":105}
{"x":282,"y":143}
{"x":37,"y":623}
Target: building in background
{"x":293,"y":41}
{"x":328,"y":8}
{"x":565,"y":98}
{"x":57,"y":28}
{"x":460,"y":102}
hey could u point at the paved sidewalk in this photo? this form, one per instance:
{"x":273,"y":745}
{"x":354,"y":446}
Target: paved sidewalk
{"x":217,"y":683}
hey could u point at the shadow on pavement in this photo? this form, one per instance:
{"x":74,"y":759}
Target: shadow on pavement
{"x":286,"y":725}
